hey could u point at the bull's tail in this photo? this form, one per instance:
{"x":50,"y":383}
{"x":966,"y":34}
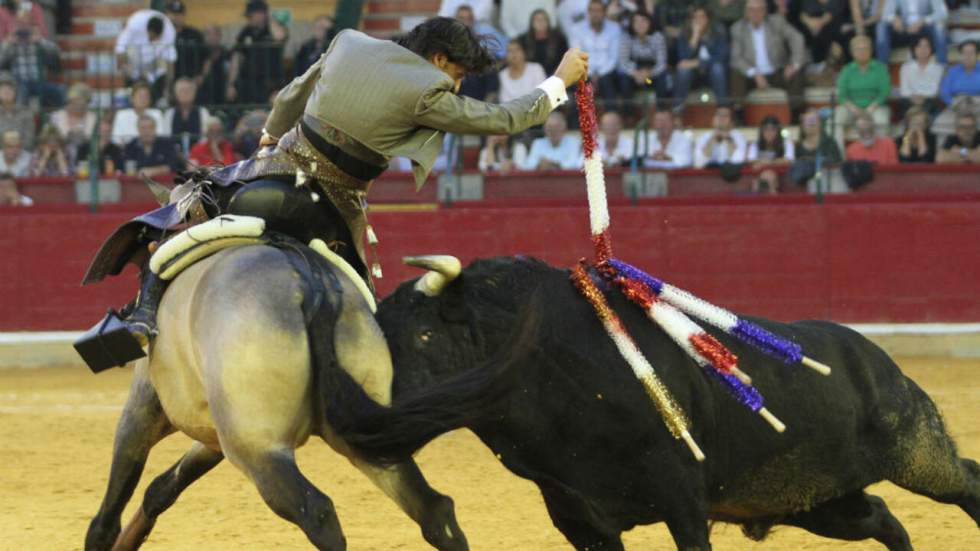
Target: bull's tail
{"x":388,"y":435}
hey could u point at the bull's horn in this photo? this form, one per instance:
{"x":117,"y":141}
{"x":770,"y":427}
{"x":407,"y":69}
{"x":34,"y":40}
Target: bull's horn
{"x":443,"y":269}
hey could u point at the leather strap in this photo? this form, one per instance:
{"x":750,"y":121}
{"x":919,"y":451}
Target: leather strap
{"x":348,"y":163}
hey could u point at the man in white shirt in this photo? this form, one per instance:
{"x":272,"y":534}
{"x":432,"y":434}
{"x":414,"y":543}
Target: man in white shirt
{"x":666,"y":146}
{"x":721,"y":144}
{"x":145,"y":50}
{"x":616,"y":149}
{"x":600,"y":38}
{"x":555,"y":151}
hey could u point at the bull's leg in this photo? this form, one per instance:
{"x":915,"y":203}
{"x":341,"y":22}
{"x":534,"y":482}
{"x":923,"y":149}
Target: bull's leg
{"x":928,"y":464}
{"x":570,"y":515}
{"x":163,"y":492}
{"x":140,"y":427}
{"x":855,"y":516}
{"x":433,"y":512}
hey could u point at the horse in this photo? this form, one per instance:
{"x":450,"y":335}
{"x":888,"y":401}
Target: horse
{"x":234,"y":369}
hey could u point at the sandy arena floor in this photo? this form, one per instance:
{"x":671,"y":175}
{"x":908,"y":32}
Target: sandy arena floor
{"x":56,"y":428}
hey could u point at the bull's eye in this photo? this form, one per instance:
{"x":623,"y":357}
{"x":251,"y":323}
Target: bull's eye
{"x":425,"y":336}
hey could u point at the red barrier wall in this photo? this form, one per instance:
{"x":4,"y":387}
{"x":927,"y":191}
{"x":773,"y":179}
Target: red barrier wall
{"x":854,"y":258}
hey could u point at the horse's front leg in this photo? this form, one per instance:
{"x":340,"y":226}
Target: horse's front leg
{"x":164,"y":491}
{"x":434,"y":512}
{"x":141,"y":426}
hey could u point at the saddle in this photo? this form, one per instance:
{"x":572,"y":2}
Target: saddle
{"x":106,"y":344}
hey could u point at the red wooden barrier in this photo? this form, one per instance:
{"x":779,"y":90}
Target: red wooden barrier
{"x":854,"y":258}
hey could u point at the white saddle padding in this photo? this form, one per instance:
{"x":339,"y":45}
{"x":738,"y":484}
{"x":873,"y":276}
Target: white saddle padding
{"x":319,"y":246}
{"x":224,"y":226}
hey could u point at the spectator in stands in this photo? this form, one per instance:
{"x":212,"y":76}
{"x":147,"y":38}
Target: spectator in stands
{"x":32,"y":59}
{"x":481,"y":86}
{"x":51,"y":157}
{"x":960,"y":90}
{"x":766,"y":52}
{"x":555,"y":150}
{"x":312,"y":49}
{"x":148,"y":154}
{"x":870,"y":147}
{"x":865,"y":15}
{"x":722,"y":144}
{"x":257,"y":61}
{"x":145,"y":51}
{"x":702,"y":57}
{"x":815,"y":142}
{"x":126,"y":122}
{"x":482,"y":10}
{"x":109,"y":154}
{"x":515,"y":14}
{"x":10,"y":196}
{"x":185,"y":121}
{"x":76,"y":121}
{"x":770,"y":150}
{"x":497,"y":43}
{"x":668,"y":147}
{"x":11,"y":9}
{"x":572,"y":13}
{"x":726,"y":12}
{"x":188,"y":41}
{"x":670,"y":16}
{"x":543,"y":43}
{"x":13,"y":116}
{"x":498,"y":155}
{"x":616,"y":149}
{"x":600,"y":38}
{"x":821,"y":22}
{"x":14,"y":159}
{"x":863,"y":87}
{"x":248,"y":131}
{"x":918,"y":144}
{"x":214,"y":72}
{"x":643,"y":58}
{"x":904,"y":21}
{"x":520,"y":76}
{"x":214,"y":149}
{"x":919,"y":78}
{"x":963,"y":147}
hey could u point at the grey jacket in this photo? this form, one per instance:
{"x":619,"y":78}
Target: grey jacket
{"x":394,"y":102}
{"x":784,"y":44}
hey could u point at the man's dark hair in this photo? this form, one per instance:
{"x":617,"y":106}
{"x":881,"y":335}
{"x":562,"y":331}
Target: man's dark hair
{"x":442,"y":35}
{"x":155,"y":26}
{"x":966,"y":43}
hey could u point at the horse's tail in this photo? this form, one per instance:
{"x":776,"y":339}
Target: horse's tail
{"x":388,"y":435}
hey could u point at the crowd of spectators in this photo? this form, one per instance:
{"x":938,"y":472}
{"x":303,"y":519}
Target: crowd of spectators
{"x":194,"y":102}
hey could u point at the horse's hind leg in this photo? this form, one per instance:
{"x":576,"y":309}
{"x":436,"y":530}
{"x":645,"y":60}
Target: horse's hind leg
{"x":855,"y":516}
{"x":163,"y":492}
{"x":434,"y":512}
{"x":140,"y":427}
{"x":926,"y":462}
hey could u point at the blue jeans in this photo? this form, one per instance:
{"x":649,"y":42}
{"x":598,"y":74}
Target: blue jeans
{"x":716,"y":75}
{"x":886,"y":38}
{"x":50,"y":94}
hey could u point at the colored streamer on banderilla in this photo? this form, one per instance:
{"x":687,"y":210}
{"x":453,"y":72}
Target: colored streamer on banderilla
{"x":671,"y":413}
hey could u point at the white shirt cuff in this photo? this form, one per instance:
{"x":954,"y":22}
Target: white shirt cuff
{"x":554,"y":88}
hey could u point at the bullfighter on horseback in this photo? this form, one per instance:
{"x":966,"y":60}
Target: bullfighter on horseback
{"x":331,"y":132}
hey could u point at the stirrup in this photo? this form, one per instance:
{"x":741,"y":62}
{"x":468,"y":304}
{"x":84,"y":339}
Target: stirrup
{"x":108,"y":344}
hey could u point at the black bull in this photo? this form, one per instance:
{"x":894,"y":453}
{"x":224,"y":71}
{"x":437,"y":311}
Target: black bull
{"x":576,"y":421}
